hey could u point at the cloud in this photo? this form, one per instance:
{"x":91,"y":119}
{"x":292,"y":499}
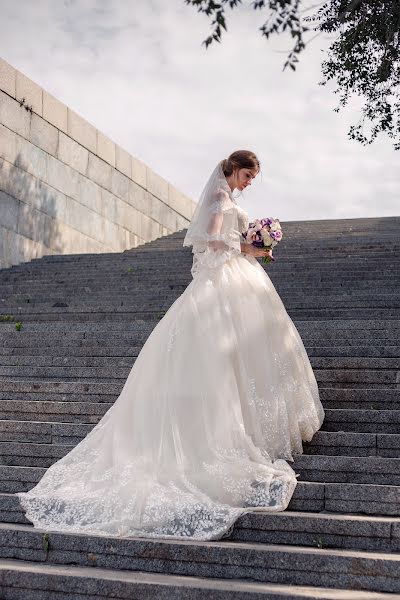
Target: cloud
{"x":139,"y":73}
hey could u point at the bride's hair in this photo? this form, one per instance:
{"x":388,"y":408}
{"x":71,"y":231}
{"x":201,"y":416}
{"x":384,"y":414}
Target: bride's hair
{"x":240,"y":159}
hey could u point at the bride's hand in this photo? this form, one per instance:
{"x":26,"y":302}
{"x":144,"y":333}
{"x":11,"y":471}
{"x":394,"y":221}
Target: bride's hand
{"x":254,"y":251}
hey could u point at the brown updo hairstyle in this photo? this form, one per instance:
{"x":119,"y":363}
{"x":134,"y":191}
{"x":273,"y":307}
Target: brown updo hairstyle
{"x":240,"y":159}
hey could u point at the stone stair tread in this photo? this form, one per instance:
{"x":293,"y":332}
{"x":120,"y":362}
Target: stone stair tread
{"x":268,"y":563}
{"x":68,"y":580}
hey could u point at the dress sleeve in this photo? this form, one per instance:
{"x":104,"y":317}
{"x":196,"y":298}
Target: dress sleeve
{"x":216,"y":239}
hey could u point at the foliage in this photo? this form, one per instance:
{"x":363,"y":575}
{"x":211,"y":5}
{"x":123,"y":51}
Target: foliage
{"x":364,"y":57}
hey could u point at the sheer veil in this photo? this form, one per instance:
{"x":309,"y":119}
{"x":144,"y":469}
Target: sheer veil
{"x":215,"y":224}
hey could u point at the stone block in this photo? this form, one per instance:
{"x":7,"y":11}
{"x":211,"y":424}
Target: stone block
{"x":105,"y":148}
{"x":112,"y":235}
{"x":14,"y":116}
{"x":9,"y":208}
{"x":181,"y":222}
{"x":31,"y":91}
{"x":72,"y":153}
{"x":31,"y":159}
{"x":84,"y":220}
{"x":130,"y":219}
{"x":167,"y":217}
{"x":157,"y":185}
{"x":179,"y":202}
{"x":44,"y":135}
{"x":123,"y":161}
{"x":82,"y":131}
{"x":7,"y":78}
{"x":145,"y":227}
{"x":108,"y":205}
{"x":90,"y":194}
{"x":48,"y":200}
{"x":120,"y":185}
{"x":139,"y":198}
{"x":133,"y":240}
{"x":139,"y":174}
{"x":99,"y":171}
{"x":55,"y":112}
{"x":8,"y":147}
{"x":15,"y":181}
{"x":31,"y":223}
{"x":62,"y":177}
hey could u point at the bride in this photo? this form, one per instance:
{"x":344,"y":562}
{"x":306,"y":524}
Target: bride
{"x":221,"y":395}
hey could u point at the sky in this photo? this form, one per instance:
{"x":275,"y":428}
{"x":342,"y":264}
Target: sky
{"x":138,"y":71}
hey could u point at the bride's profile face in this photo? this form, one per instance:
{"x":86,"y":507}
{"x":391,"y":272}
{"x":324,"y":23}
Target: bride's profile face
{"x":244,"y":177}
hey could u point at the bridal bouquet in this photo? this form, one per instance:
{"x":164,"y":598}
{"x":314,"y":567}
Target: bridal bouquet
{"x":264,"y":233}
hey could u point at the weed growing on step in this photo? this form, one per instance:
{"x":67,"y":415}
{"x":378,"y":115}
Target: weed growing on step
{"x":46,"y":542}
{"x":5,"y":318}
{"x":319,"y":541}
{"x":18,"y":325}
{"x":130,"y":269}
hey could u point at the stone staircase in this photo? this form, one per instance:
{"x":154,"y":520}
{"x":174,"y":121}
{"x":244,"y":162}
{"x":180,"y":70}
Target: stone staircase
{"x":71,"y":328}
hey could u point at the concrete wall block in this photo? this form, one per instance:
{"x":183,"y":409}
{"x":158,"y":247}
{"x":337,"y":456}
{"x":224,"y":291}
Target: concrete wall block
{"x":8,"y":77}
{"x":108,"y":205}
{"x":179,"y":202}
{"x":14,"y":116}
{"x":112,"y":235}
{"x":139,"y":172}
{"x":55,"y":112}
{"x":123,"y":161}
{"x":139,"y":198}
{"x":130,"y":219}
{"x":17,"y":182}
{"x":31,"y":159}
{"x":181,"y":223}
{"x":9,"y":209}
{"x":145,"y":227}
{"x":105,"y":148}
{"x":99,"y":171}
{"x":73,"y":154}
{"x":133,"y":240}
{"x":31,"y":222}
{"x":157,"y":185}
{"x":156,"y":208}
{"x":120,"y":185}
{"x":62,"y":177}
{"x":48,"y":200}
{"x":44,"y":135}
{"x":8,"y":144}
{"x":156,"y":229}
{"x":84,"y":220}
{"x":90,"y":194}
{"x":167,"y":217}
{"x":31,"y":91}
{"x":82,"y":131}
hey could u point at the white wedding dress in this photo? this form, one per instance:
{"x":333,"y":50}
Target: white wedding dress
{"x":220,"y":396}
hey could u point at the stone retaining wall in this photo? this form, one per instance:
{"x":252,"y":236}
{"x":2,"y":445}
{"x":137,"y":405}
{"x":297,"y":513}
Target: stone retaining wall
{"x":67,"y":188}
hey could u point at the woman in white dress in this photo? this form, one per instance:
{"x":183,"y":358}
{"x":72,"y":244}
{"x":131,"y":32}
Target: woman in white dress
{"x":221,"y":395}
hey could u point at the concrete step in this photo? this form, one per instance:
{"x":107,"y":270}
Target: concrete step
{"x":323,"y":529}
{"x":348,"y":469}
{"x":341,"y":497}
{"x":44,"y":581}
{"x":20,"y":450}
{"x":266,"y":563}
{"x":334,"y":469}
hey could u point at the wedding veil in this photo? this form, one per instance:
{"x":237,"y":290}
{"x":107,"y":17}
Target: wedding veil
{"x":215,"y":220}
